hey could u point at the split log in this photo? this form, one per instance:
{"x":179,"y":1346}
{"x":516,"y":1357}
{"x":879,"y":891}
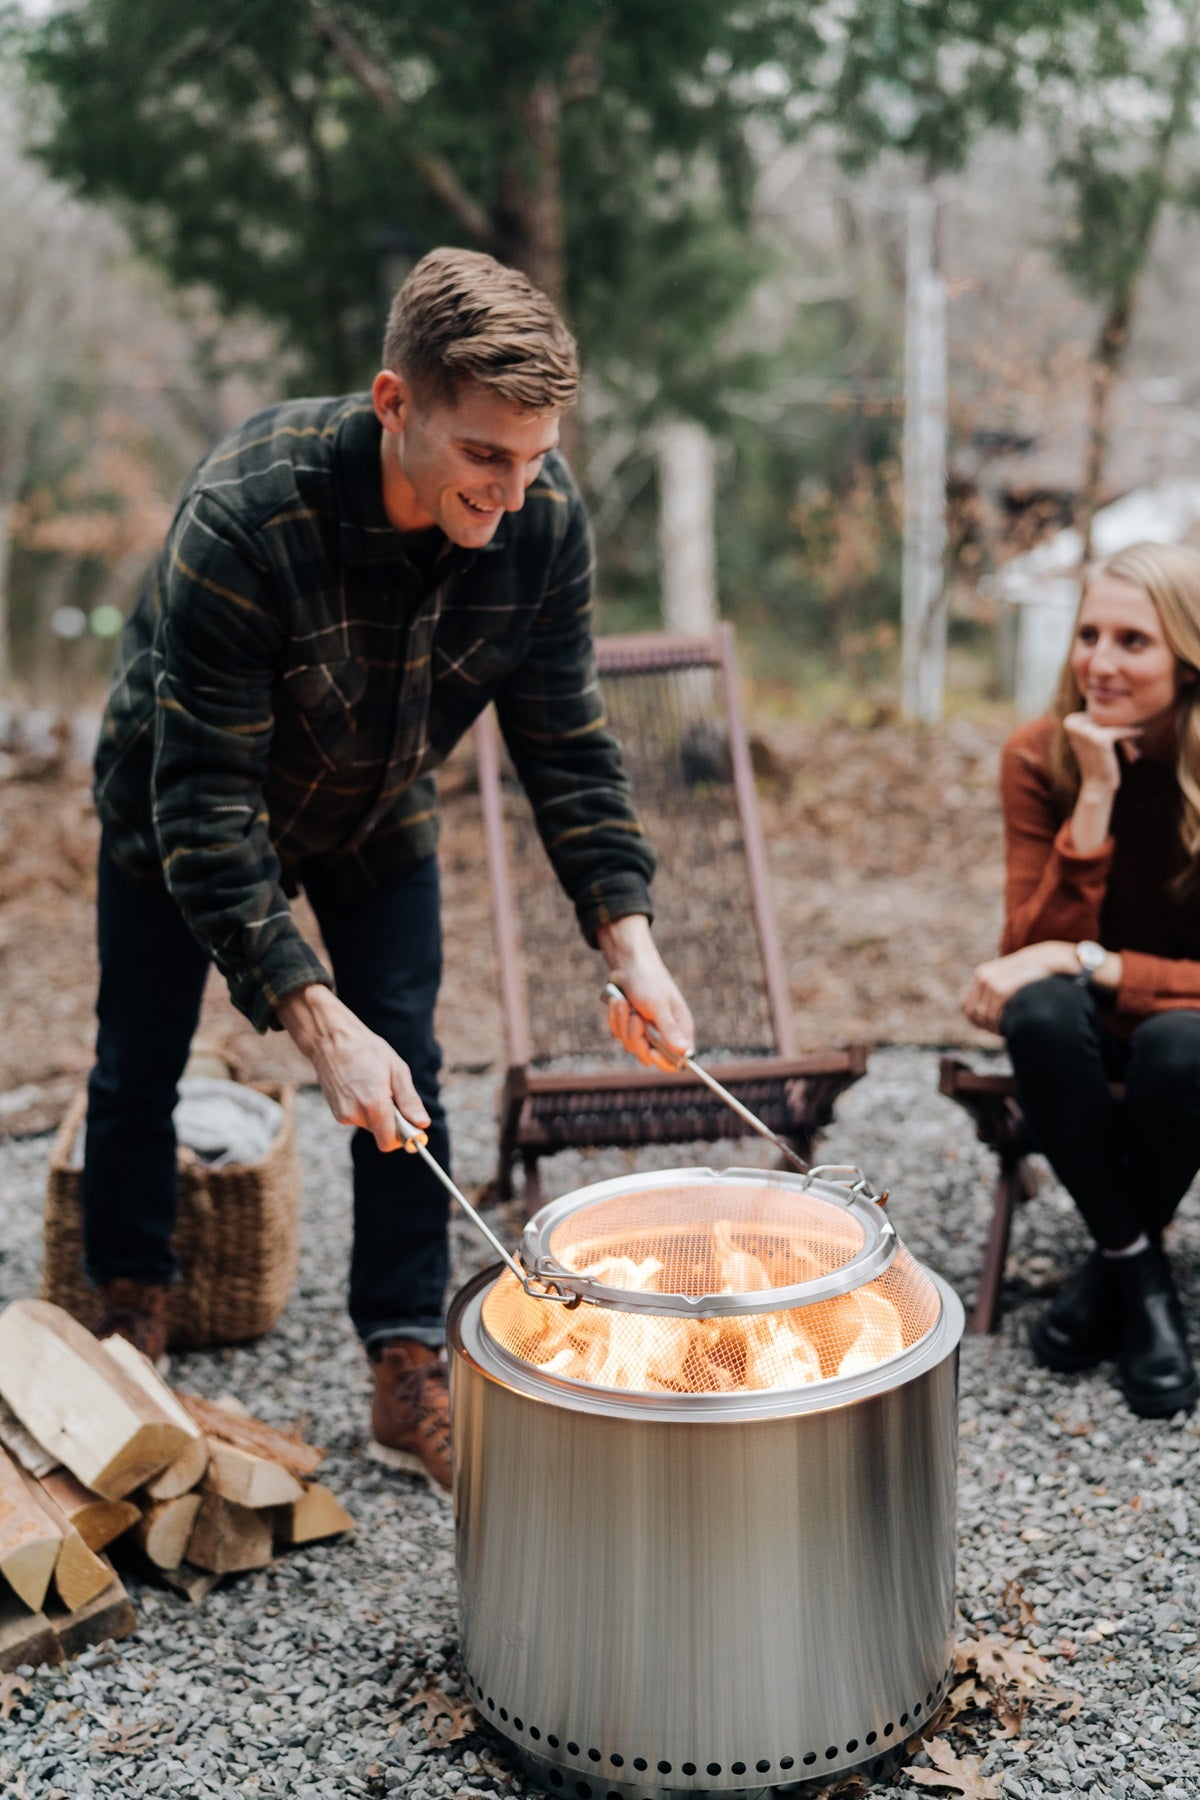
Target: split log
{"x":181,"y":1476}
{"x":109,"y":1616}
{"x":79,"y":1574}
{"x":194,"y":1584}
{"x":164,"y":1529}
{"x":187,"y":1470}
{"x":228,"y":1537}
{"x":249,"y":1480}
{"x":21,"y":1446}
{"x":246,"y":1433}
{"x":97,"y":1521}
{"x":30,"y":1541}
{"x":79,"y":1403}
{"x":317,"y":1514}
{"x":25,"y":1637}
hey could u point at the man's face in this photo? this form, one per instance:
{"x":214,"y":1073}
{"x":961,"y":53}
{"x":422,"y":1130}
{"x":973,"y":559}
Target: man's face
{"x":459,"y":465}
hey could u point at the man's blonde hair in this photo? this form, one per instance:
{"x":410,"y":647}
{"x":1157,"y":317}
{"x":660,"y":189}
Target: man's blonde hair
{"x":462,"y":316}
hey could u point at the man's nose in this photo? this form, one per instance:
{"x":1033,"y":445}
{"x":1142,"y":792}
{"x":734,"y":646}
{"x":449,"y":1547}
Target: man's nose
{"x":512,"y":489}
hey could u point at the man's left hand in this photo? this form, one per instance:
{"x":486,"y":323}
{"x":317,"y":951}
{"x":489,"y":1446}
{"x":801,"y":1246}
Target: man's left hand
{"x":651,"y":996}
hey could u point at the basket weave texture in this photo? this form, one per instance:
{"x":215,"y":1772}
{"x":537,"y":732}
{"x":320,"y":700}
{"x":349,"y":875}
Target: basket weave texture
{"x":236,"y":1235}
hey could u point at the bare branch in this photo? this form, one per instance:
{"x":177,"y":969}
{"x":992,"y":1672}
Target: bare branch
{"x":436,"y":172}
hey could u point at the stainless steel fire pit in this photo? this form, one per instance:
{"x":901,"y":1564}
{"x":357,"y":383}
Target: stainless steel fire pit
{"x":704,"y":1486}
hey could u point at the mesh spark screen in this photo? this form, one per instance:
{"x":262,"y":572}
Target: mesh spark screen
{"x":740,"y":1240}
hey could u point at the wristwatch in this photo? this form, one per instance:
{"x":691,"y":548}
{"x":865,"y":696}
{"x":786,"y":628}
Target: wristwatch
{"x":1091,"y":957}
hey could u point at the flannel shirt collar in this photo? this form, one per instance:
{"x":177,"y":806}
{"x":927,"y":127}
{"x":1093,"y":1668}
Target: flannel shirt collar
{"x":366,"y":533}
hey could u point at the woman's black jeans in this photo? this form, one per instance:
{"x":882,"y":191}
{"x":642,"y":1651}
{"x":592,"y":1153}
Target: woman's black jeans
{"x":386,"y":952}
{"x":1126,"y":1163}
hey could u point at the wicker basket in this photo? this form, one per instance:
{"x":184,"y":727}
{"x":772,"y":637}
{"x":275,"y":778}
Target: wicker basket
{"x":237,"y":1236}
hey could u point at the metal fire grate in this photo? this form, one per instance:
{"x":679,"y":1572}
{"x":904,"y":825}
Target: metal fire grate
{"x":714,"y":1284}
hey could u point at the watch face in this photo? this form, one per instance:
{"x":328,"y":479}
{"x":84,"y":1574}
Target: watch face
{"x":1092,"y":956}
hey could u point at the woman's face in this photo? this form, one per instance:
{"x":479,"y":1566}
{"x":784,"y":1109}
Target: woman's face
{"x":1126,"y":671}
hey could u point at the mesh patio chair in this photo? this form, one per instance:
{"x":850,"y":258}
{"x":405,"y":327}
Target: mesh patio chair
{"x":673,"y":702}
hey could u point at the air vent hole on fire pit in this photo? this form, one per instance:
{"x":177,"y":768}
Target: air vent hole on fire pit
{"x":737,"y":1768}
{"x":504,"y":1715}
{"x":787,"y":1762}
{"x":762,"y":1767}
{"x":617,"y":1760}
{"x":572,"y":1749}
{"x":871,"y":1736}
{"x":713,"y":1769}
{"x":639,"y":1762}
{"x":689,"y":1768}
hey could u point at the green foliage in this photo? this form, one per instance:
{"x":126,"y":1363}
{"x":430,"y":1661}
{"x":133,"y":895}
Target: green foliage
{"x":929,"y":77}
{"x":245,"y":154}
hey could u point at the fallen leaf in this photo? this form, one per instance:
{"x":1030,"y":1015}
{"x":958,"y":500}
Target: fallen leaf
{"x":1071,"y":1703}
{"x":1066,"y":1648}
{"x":443,"y":1720}
{"x":1014,"y":1597}
{"x":13,"y":1689}
{"x":137,"y":1739}
{"x":1008,"y":1665}
{"x":959,"y":1773}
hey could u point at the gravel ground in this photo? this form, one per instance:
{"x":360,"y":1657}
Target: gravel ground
{"x":294,"y":1680}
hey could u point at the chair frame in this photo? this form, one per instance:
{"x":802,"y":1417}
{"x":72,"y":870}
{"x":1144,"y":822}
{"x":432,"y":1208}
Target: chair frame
{"x":811,"y":1082}
{"x":1000,"y":1124}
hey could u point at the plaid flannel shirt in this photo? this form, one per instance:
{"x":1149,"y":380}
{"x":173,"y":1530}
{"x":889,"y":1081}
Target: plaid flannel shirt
{"x":290,"y":678}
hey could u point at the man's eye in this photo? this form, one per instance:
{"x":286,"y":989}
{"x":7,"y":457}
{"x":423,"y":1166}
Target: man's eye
{"x":480,"y":456}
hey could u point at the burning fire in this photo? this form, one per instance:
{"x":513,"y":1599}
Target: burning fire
{"x":641,"y":1353}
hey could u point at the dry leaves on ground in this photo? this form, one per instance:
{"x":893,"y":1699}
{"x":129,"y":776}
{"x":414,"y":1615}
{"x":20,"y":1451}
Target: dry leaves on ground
{"x":136,"y":1739}
{"x":13,"y":1689}
{"x":443,"y":1720}
{"x":962,"y":1775}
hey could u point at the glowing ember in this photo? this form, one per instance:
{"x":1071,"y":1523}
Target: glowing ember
{"x":641,"y":1353}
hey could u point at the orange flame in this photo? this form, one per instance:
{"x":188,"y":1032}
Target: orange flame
{"x":643,"y":1353}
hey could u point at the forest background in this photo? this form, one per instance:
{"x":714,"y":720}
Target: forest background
{"x":205,"y":209}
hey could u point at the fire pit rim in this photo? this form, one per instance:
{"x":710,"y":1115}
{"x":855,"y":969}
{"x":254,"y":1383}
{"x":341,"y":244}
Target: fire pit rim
{"x":468,"y":1336}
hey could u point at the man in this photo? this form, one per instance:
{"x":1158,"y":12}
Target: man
{"x":346,"y":584}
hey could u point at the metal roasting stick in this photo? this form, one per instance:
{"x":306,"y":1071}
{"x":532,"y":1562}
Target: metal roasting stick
{"x":416,"y":1139}
{"x":685,"y":1060}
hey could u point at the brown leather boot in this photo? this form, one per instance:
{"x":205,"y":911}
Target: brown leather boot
{"x":410,"y":1413}
{"x":136,"y":1310}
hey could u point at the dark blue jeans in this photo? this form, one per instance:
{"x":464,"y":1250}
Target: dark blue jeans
{"x":386,"y":953}
{"x":1126,"y":1163}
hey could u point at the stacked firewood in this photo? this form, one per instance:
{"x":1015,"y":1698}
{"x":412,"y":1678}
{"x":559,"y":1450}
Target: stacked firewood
{"x":96,"y":1451}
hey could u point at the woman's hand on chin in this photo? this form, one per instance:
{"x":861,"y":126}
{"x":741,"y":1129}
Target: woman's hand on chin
{"x":994,"y":983}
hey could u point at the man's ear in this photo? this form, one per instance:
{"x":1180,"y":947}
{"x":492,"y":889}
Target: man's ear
{"x":390,"y":398}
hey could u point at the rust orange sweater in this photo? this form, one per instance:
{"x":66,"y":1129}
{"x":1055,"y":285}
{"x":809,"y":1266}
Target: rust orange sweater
{"x":1119,"y":894}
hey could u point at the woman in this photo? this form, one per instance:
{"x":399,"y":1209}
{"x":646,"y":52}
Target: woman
{"x":1099,"y":980}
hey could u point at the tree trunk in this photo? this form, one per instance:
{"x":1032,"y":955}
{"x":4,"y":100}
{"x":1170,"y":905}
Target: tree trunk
{"x":531,"y":194}
{"x":923,"y":604}
{"x":686,"y":535}
{"x":1110,"y":351}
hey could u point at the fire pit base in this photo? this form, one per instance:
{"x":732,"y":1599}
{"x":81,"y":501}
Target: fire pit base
{"x":568,"y":1784}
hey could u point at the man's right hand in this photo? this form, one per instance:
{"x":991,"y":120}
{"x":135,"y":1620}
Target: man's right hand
{"x":361,"y":1076}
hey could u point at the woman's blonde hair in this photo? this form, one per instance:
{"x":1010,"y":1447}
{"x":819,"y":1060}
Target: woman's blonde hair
{"x":1170,"y":575}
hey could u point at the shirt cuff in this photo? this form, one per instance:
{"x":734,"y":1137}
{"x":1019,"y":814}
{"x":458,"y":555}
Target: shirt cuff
{"x":1082,"y":861}
{"x":605,"y":901}
{"x":290,"y":964}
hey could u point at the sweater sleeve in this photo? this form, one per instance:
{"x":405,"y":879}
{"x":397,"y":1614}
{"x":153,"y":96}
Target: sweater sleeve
{"x":1154,"y":984}
{"x":1051,"y":890}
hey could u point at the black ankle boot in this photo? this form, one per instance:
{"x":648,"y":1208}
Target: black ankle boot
{"x":1079,"y":1328}
{"x":1153,"y":1365}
